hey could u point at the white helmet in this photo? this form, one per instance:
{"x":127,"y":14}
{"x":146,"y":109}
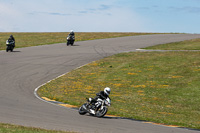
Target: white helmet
{"x":71,"y":31}
{"x":107,"y":90}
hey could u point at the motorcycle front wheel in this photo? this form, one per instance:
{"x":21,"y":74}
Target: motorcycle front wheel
{"x":11,"y":49}
{"x":7,"y":48}
{"x":101,"y":112}
{"x":81,"y":110}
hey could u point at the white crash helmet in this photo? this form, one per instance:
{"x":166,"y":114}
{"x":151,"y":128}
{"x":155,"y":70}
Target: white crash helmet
{"x":107,"y":90}
{"x":71,"y":31}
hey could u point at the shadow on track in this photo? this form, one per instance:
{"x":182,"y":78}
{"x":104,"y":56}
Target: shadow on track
{"x":74,"y":45}
{"x":16,"y":51}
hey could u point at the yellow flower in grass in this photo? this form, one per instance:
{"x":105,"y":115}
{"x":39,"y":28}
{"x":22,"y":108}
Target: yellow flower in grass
{"x":117,"y":85}
{"x":71,"y":77}
{"x":161,"y":86}
{"x":165,"y":85}
{"x":77,"y":84}
{"x":155,"y":98}
{"x":90,"y":73}
{"x":132,"y":74}
{"x":139,"y":86}
{"x":94,"y":64}
{"x":89,"y":88}
{"x":176,"y":77}
{"x":116,"y":79}
{"x":89,"y":91}
{"x":140,"y":92}
{"x":168,"y":106}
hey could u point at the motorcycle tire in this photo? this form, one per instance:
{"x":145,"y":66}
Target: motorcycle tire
{"x":81,"y":110}
{"x":102,"y":112}
{"x":72,"y":43}
{"x":7,"y":49}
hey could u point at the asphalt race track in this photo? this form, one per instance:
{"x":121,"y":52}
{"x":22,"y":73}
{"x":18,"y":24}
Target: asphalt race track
{"x":25,"y":69}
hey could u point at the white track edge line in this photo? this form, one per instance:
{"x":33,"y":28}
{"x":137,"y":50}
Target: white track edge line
{"x":36,"y":89}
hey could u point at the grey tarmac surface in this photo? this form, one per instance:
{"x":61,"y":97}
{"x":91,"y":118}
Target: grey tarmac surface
{"x":26,"y":68}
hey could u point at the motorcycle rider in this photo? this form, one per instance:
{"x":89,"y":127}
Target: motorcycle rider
{"x":11,"y":39}
{"x":101,"y":95}
{"x":71,"y":38}
{"x":72,"y":34}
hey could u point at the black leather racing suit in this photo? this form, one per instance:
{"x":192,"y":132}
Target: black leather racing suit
{"x":72,"y":34}
{"x":10,"y":39}
{"x":102,"y":95}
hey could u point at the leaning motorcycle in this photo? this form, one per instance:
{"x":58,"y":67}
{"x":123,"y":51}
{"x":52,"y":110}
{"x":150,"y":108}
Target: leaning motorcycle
{"x":70,"y":40}
{"x":98,"y":112}
{"x":9,"y":45}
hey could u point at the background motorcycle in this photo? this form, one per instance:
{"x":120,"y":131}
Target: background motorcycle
{"x":10,"y":45}
{"x":70,"y":40}
{"x":99,"y":112}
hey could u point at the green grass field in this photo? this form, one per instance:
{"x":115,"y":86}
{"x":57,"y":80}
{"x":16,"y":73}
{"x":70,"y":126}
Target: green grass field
{"x":161,"y":87}
{"x":8,"y":128}
{"x":183,"y":45}
{"x":35,"y":39}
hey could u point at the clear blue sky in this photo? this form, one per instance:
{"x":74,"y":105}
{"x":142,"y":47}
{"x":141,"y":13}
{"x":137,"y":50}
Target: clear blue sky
{"x":181,"y":16}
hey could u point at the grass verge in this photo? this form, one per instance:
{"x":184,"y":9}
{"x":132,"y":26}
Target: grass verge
{"x":35,"y":39}
{"x":8,"y":128}
{"x":193,"y":44}
{"x":162,"y":87}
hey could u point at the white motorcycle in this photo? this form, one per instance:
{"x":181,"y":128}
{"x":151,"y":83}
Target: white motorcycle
{"x":99,"y":112}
